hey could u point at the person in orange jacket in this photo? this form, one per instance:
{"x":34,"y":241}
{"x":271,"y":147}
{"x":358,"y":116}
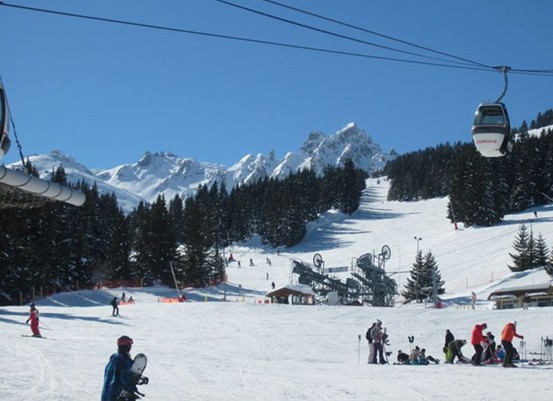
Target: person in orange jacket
{"x":507,"y":335}
{"x":476,"y":339}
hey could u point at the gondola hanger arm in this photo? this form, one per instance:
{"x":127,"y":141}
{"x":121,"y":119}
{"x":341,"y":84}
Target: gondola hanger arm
{"x":503,"y":69}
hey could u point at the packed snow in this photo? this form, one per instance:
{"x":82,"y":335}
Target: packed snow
{"x":246,"y":349}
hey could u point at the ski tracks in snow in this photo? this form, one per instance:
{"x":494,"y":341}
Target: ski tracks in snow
{"x":45,"y":385}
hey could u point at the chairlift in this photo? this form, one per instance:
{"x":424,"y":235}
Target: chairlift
{"x":491,"y":130}
{"x":4,"y":123}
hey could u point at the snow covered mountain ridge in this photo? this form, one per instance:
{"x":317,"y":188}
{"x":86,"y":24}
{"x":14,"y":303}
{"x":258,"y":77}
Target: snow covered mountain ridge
{"x":164,"y":173}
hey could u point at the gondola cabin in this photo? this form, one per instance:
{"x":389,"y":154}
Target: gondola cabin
{"x":4,"y":123}
{"x":491,"y":131}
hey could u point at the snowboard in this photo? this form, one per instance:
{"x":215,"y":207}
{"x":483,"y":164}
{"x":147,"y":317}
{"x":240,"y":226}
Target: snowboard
{"x":137,"y":368}
{"x":139,"y":364}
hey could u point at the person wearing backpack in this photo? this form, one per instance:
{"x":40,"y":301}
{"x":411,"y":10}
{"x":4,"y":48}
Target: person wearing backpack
{"x":377,"y":335}
{"x":369,"y":338}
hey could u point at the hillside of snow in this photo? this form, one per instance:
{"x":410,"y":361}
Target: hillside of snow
{"x":245,"y":349}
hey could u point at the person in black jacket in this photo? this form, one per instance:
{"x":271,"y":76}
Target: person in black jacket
{"x":115,"y":306}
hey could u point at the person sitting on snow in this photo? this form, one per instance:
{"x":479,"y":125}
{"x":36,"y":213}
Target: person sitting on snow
{"x":429,"y":357}
{"x":402,"y":357}
{"x":417,"y":357}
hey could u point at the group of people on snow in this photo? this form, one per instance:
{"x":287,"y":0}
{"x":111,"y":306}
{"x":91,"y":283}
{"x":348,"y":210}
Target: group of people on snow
{"x":486,"y":351}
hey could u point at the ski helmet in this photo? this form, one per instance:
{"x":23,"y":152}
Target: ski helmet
{"x":32,"y":305}
{"x":124,"y":340}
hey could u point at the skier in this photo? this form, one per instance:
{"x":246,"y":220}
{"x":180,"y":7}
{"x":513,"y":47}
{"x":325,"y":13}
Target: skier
{"x":476,"y":339}
{"x":473,"y":300}
{"x":509,"y":331}
{"x":114,"y":304}
{"x":525,"y":301}
{"x":118,"y":385}
{"x":33,"y":317}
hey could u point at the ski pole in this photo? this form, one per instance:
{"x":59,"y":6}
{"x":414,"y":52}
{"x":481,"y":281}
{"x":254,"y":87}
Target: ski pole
{"x":43,"y":326}
{"x":359,"y":349}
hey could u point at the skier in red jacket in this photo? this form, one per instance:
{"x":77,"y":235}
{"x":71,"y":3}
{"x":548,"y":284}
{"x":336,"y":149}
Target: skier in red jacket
{"x":33,"y":317}
{"x":509,"y":331}
{"x":476,"y":340}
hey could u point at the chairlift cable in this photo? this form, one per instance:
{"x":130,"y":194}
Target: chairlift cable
{"x":338,"y":35}
{"x":264,"y":42}
{"x":238,"y":38}
{"x":376,"y":33}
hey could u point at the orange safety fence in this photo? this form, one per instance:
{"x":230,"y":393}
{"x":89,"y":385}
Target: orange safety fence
{"x":172,"y":300}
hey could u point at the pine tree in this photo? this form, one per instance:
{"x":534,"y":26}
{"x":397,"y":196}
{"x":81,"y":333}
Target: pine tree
{"x":431,"y":270}
{"x":540,"y":252}
{"x":522,"y":259}
{"x":415,"y":283}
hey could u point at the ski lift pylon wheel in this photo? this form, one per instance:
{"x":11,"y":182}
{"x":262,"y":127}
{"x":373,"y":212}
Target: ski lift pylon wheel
{"x":386,"y":252}
{"x":317,"y":260}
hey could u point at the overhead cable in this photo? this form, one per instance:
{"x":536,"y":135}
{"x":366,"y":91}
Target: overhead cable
{"x":338,"y":35}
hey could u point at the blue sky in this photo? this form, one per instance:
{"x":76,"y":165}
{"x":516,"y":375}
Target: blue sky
{"x":105,"y":93}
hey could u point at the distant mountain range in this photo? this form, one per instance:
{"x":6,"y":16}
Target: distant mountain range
{"x":168,"y":174}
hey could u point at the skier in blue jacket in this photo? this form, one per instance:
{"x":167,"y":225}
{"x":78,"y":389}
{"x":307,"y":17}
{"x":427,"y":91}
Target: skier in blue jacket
{"x":117,"y":374}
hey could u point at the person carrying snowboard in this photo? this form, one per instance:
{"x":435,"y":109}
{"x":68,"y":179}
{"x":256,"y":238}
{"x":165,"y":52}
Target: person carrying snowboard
{"x":509,"y":331}
{"x":118,"y":384}
{"x":33,"y":317}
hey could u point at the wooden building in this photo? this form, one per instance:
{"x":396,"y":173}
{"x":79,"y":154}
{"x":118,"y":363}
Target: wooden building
{"x":513,"y":297}
{"x":294,"y":294}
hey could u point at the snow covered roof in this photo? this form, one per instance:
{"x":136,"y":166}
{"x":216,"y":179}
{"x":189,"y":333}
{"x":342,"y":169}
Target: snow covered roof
{"x":532,"y":289}
{"x":292,"y":289}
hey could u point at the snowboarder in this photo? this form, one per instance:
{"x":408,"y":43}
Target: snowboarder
{"x":33,"y":317}
{"x":455,"y":351}
{"x":123,"y":297}
{"x":509,"y":331}
{"x":369,"y":337}
{"x":378,"y":335}
{"x":429,"y":357}
{"x":251,"y":262}
{"x":114,"y":304}
{"x":118,"y":383}
{"x":476,"y":339}
{"x":473,"y":299}
{"x":273,"y":285}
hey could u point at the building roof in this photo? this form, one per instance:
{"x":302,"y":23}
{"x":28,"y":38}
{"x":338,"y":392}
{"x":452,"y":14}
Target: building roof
{"x":292,"y":289}
{"x":532,"y":289}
